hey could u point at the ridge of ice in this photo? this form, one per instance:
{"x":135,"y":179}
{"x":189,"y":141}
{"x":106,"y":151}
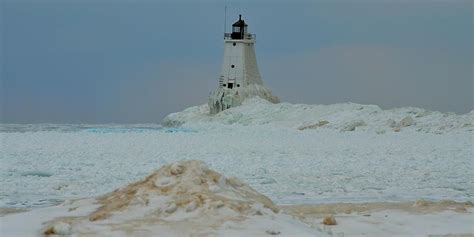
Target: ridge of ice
{"x":343,"y":116}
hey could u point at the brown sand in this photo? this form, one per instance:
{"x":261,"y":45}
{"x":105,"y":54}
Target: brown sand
{"x":420,"y":206}
{"x":6,"y":211}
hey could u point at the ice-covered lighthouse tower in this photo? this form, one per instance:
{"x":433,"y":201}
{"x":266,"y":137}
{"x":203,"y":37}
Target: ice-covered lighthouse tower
{"x":239,"y":77}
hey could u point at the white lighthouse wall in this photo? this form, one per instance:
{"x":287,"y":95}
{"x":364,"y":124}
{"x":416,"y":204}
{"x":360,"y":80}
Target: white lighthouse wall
{"x":244,"y":75}
{"x":251,"y":73}
{"x":233,"y":55}
{"x":242,"y":56}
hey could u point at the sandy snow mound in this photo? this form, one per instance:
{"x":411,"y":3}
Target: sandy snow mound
{"x":344,"y":117}
{"x":182,"y":199}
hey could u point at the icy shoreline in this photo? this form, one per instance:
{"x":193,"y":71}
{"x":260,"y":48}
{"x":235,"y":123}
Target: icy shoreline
{"x":186,"y":198}
{"x":316,"y":156}
{"x":383,"y":221}
{"x":294,"y":154}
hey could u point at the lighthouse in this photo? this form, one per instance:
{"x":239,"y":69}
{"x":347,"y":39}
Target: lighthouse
{"x":239,"y":78}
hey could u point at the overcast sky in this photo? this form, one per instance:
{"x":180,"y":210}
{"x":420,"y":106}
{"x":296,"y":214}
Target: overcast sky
{"x":85,"y":61}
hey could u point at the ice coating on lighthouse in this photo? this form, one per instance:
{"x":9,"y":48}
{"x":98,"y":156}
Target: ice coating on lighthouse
{"x":239,"y":78}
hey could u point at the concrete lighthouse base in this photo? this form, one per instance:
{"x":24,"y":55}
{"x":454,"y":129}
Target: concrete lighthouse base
{"x":225,"y":98}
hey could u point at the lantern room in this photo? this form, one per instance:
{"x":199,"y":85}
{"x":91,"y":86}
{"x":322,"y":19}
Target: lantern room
{"x":239,"y":29}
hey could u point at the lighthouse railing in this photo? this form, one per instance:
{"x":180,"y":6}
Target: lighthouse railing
{"x":246,"y":36}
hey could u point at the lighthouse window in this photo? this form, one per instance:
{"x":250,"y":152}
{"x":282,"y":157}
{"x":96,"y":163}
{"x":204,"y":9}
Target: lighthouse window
{"x":232,"y":66}
{"x":234,"y":44}
{"x":238,"y":85}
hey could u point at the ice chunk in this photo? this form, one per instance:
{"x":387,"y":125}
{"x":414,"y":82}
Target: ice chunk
{"x":329,"y":220}
{"x":407,"y":121}
{"x":353,"y":125}
{"x":37,"y":173}
{"x":59,"y":228}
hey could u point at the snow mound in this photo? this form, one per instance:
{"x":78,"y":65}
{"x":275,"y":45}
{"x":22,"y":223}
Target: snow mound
{"x":186,"y":185}
{"x":182,"y":199}
{"x":345,"y":117}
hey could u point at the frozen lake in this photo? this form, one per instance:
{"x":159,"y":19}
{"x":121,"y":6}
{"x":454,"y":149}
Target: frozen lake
{"x":45,"y":164}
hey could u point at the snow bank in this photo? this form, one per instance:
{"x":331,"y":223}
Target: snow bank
{"x":343,"y":117}
{"x":182,"y":199}
{"x":421,"y":218}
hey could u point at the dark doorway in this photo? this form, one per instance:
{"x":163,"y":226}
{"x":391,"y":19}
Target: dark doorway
{"x":230,"y":85}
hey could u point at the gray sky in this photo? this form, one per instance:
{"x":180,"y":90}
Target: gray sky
{"x":84,"y":61}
